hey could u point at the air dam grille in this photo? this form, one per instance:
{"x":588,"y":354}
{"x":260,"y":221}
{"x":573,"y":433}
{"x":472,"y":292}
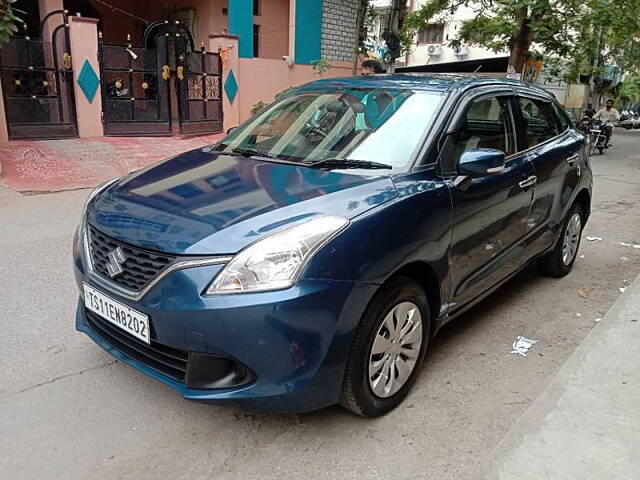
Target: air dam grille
{"x":165,"y":360}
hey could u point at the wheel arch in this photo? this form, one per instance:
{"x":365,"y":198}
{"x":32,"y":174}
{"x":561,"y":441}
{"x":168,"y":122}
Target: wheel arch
{"x":584,"y":199}
{"x":425,"y":275}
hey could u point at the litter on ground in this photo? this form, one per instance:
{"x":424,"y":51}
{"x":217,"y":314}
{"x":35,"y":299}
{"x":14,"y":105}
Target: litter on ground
{"x":522,"y":345}
{"x":625,"y":244}
{"x":593,"y":239}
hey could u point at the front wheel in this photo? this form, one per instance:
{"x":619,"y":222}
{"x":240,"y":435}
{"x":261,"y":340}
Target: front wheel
{"x":601,"y":150}
{"x":388,"y":349}
{"x":559,"y":261}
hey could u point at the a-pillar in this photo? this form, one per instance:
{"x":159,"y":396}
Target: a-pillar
{"x":83,"y":35}
{"x":227,"y":46}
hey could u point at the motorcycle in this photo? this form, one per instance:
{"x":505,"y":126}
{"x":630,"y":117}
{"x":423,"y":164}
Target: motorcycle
{"x":598,"y":136}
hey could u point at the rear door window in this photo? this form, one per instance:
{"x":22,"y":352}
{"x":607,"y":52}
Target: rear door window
{"x":539,"y":121}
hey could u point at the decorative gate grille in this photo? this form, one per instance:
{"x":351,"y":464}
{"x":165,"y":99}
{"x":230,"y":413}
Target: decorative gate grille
{"x":135,"y":89}
{"x":199,"y":89}
{"x":37,"y":85}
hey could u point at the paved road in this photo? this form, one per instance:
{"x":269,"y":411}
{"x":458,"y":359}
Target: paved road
{"x":68,"y":410}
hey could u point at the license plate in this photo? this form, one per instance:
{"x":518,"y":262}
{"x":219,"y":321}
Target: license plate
{"x":122,"y":316}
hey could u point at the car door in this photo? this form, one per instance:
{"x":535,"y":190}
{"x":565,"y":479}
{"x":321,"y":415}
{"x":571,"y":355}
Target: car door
{"x":489,"y":213}
{"x":555,"y":150}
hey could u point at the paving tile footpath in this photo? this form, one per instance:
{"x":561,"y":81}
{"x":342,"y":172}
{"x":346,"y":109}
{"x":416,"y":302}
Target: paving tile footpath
{"x":68,"y":164}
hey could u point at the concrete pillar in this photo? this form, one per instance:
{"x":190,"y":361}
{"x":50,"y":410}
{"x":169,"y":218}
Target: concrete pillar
{"x":83,"y":33}
{"x":228,"y":45}
{"x":44,"y":7}
{"x":292,"y":28}
{"x":4,"y":131}
{"x":241,"y":24}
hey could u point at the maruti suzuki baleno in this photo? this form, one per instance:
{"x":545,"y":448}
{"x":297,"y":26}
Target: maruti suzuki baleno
{"x":308,"y":257}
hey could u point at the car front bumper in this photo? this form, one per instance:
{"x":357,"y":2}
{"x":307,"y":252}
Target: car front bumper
{"x":294,"y":343}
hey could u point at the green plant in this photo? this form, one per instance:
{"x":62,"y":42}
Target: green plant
{"x":259,"y":105}
{"x":9,"y":20}
{"x":321,"y":66}
{"x":283,"y":93}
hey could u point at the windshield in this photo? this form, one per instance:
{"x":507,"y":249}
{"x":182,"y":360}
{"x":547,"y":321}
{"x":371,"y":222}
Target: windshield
{"x":368,"y":125}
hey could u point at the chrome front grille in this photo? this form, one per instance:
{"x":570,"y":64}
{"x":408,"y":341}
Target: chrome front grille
{"x":139,"y":267}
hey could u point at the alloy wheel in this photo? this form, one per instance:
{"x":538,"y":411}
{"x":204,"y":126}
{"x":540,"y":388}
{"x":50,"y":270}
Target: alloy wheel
{"x":571,"y":238}
{"x":395,"y":349}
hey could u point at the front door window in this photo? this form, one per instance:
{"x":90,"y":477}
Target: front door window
{"x":487,"y":124}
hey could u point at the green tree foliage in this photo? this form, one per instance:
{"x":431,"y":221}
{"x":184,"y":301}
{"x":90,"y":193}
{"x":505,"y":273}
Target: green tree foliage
{"x":608,"y":33}
{"x":366,"y":23}
{"x":573,"y":30}
{"x":629,"y":91}
{"x":9,"y":20}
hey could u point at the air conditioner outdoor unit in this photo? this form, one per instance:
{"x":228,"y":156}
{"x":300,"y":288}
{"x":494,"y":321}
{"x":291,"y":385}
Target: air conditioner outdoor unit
{"x":434,"y":50}
{"x":460,"y":51}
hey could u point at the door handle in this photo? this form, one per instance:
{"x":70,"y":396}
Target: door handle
{"x":572,"y":159}
{"x":528,"y":182}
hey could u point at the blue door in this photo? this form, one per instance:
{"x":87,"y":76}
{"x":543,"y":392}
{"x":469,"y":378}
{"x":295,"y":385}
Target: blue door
{"x":489,"y":214}
{"x":555,"y":150}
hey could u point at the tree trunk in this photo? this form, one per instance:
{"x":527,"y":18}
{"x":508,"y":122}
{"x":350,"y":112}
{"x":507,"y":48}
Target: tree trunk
{"x":520,"y":42}
{"x":397,"y":12}
{"x":359,"y":21}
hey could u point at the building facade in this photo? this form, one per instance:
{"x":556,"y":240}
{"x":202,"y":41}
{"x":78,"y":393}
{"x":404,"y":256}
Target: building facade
{"x":196,"y":64}
{"x":431,"y":44}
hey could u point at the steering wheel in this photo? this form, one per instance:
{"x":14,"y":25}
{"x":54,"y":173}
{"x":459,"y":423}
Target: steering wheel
{"x":317,"y":130}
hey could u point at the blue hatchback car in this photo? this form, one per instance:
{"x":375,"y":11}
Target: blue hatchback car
{"x":307,"y":258}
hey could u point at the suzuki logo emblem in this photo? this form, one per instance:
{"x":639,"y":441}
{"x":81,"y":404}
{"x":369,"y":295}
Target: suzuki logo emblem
{"x":114,"y":264}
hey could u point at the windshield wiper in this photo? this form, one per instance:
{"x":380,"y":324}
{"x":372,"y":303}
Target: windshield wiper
{"x":249,"y":152}
{"x":346,"y":163}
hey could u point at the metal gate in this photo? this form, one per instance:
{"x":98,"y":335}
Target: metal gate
{"x":135,"y":89}
{"x":199,"y":90}
{"x":37,"y":85}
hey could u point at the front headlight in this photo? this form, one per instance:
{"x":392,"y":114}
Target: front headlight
{"x":274,"y":262}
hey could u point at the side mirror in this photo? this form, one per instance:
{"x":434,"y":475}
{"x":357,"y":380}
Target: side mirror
{"x":481,"y":162}
{"x":231,"y":130}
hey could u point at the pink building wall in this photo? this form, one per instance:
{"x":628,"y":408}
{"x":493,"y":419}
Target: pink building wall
{"x":274,"y":28}
{"x":260,"y":79}
{"x":208,"y":17}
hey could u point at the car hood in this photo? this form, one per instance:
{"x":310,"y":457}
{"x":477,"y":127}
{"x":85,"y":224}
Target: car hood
{"x":205,"y":203}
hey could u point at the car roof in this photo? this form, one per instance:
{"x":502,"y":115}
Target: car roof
{"x":442,"y":82}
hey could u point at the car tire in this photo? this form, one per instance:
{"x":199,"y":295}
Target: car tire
{"x":388,"y":307}
{"x":555,"y":263}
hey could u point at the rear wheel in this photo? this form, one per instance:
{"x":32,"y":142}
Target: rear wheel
{"x":601,"y":150}
{"x":560,"y":260}
{"x":388,"y":349}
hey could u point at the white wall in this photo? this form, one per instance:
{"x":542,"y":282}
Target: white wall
{"x":452,"y":23}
